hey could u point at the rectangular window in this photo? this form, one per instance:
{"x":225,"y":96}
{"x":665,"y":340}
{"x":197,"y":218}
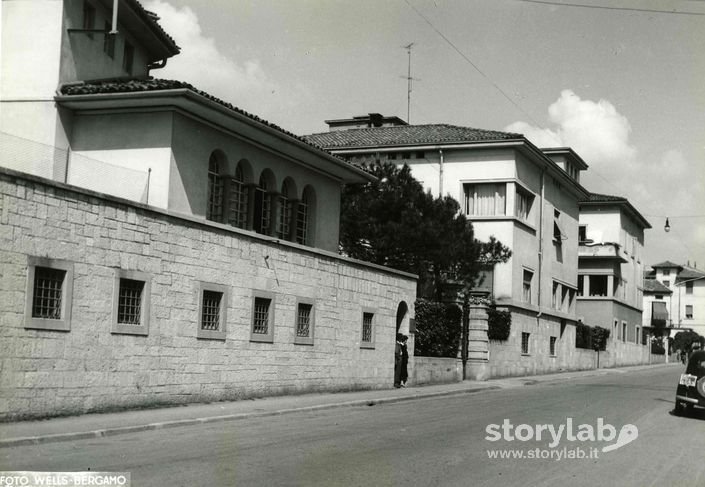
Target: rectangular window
{"x":615,"y":329}
{"x":304,"y":323}
{"x":486,"y":199}
{"x":689,"y":287}
{"x":598,"y":285}
{"x":637,"y":336}
{"x":525,"y":343}
{"x":666,"y":272}
{"x":688,"y":311}
{"x":582,"y":233}
{"x":368,"y":336}
{"x":128,"y":57}
{"x":212,"y":311}
{"x":552,"y":346}
{"x":526,"y":286}
{"x":262,"y":317}
{"x":624,"y":331}
{"x":667,"y":283}
{"x":49,"y":294}
{"x":131,"y":298}
{"x":302,"y":223}
{"x":558,"y":234}
{"x":581,"y":285}
{"x":524,"y":201}
{"x":109,"y":41}
{"x":237,"y":203}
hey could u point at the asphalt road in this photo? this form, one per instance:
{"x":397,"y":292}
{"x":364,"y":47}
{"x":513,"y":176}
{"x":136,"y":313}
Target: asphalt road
{"x":441,"y":441}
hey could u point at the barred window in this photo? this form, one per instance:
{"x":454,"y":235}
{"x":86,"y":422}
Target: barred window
{"x":525,"y":342}
{"x":367,"y":330}
{"x":48,"y":284}
{"x":552,"y":346}
{"x":262,"y":317}
{"x":303,"y":320}
{"x":130,"y":302}
{"x":49,"y":294}
{"x":302,"y":218}
{"x":238,"y":199}
{"x":210,"y":312}
{"x":214,"y":210}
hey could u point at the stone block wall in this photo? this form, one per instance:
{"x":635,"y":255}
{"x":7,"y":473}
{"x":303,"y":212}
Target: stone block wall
{"x":92,"y":368}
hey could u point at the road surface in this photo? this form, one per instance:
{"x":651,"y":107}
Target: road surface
{"x":435,"y":442}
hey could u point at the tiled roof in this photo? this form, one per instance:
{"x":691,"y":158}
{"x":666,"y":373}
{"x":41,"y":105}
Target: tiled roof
{"x":653,"y":286}
{"x":405,"y":135}
{"x":666,"y":263}
{"x":690,"y":273}
{"x":602,"y":198}
{"x":152,"y":20}
{"x":151,"y":84}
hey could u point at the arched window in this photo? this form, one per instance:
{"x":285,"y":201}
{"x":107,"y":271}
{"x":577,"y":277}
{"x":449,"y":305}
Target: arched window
{"x":214,"y":210}
{"x":263,"y":206}
{"x":303,"y":217}
{"x":238,"y":199}
{"x":285,"y":210}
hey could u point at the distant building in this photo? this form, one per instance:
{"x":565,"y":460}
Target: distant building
{"x":610,"y":270}
{"x":160,"y":245}
{"x":686,"y":306}
{"x":524,"y":196}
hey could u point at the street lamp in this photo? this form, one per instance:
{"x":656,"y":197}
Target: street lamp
{"x":667,"y":226}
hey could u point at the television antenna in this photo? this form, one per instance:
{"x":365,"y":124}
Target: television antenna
{"x":409,"y":81}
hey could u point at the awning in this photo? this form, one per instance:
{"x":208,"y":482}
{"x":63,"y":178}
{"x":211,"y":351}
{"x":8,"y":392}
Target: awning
{"x":659,"y":313}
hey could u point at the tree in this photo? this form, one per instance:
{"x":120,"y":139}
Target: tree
{"x":393,"y":222}
{"x":683,"y":340}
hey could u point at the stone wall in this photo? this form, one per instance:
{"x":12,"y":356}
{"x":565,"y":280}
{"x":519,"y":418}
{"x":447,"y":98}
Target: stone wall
{"x":92,"y":367}
{"x":436,"y":370}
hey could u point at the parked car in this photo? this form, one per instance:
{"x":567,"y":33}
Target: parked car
{"x":691,"y":386}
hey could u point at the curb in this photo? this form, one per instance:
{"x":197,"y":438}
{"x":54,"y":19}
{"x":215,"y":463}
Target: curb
{"x":83,"y":435}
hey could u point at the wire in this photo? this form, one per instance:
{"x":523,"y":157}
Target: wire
{"x":467,"y":59}
{"x":628,"y":9}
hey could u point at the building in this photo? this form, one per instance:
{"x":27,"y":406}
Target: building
{"x":657,"y":303}
{"x":160,"y":245}
{"x":610,"y":267}
{"x":524,"y":196}
{"x":686,"y":299}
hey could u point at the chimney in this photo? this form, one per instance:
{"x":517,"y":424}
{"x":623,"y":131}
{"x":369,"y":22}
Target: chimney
{"x":376,"y":120}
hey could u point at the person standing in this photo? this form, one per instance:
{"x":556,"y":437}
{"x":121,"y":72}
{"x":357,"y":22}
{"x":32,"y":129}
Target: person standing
{"x":397,"y":361}
{"x":404,"y":375}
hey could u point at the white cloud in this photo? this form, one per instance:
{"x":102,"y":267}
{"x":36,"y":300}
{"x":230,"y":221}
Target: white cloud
{"x":204,"y":65}
{"x":595,"y":130}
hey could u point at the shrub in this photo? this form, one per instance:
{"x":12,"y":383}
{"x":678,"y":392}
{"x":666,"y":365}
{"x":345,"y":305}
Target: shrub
{"x":438,"y":329}
{"x":657,"y":347}
{"x":583,"y":336}
{"x":499,"y":323}
{"x":599,"y":337}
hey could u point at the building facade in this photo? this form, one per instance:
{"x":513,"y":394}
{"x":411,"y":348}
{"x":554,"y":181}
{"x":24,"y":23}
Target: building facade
{"x":524,"y":196}
{"x":686,"y":303}
{"x":162,"y":246}
{"x":611,"y":267}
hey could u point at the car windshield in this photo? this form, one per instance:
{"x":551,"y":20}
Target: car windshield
{"x":696,"y":364}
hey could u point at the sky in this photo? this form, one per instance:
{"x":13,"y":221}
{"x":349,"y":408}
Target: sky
{"x":622,"y":82}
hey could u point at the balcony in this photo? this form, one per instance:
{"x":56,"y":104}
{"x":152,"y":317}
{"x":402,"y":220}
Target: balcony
{"x":608,"y":250}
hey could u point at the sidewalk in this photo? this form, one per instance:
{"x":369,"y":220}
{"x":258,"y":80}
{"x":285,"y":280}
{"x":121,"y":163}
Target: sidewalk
{"x":109,"y":424}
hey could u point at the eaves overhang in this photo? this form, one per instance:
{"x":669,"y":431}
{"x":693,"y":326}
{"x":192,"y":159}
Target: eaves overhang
{"x":237,"y":123}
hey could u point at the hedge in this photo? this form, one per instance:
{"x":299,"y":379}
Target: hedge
{"x":499,"y":324}
{"x":438,"y":329}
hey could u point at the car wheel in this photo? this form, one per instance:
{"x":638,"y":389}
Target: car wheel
{"x":678,"y":408}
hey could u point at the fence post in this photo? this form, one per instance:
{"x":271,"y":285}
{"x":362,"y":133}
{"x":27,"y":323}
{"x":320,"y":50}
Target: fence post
{"x":478,"y":343}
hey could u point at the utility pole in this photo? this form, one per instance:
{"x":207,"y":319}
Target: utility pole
{"x":409,"y":79}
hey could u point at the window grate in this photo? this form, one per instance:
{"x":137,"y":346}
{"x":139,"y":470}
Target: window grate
{"x":210,"y":316}
{"x":367,"y":327}
{"x":525,"y":342}
{"x":284,"y":217}
{"x":214,"y":211}
{"x":303,"y":320}
{"x":130,"y":302}
{"x":260,"y":324}
{"x":48,"y":290}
